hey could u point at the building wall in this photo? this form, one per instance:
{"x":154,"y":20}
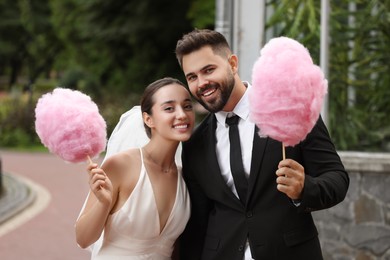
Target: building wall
{"x":359,"y":227}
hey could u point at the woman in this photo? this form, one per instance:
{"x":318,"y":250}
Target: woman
{"x":138,"y":203}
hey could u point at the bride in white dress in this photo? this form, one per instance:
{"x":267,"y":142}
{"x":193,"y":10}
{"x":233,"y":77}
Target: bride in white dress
{"x":138,"y":203}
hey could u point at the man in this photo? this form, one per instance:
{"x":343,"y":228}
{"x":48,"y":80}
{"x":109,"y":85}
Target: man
{"x":270,"y":217}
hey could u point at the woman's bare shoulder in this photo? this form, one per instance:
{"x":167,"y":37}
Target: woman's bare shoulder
{"x":122,"y":157}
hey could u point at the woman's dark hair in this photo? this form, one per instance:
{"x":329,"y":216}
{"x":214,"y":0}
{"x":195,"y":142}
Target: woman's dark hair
{"x":147,"y":99}
{"x":197,"y":39}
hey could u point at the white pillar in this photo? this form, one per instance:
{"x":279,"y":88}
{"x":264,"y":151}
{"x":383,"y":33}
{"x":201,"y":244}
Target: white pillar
{"x":351,"y":44}
{"x":224,"y":18}
{"x":324,"y":54}
{"x":242,"y":23}
{"x":248,"y":34}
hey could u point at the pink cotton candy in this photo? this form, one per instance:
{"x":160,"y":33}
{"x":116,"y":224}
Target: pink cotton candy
{"x":287,"y":91}
{"x":69,"y":125}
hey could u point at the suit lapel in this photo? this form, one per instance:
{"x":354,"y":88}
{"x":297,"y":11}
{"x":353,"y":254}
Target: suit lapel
{"x":258,"y":149}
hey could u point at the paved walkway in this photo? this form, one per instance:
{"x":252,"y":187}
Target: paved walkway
{"x":48,"y":194}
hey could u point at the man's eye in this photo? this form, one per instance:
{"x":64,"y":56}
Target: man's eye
{"x":168,"y":109}
{"x":209,"y":70}
{"x":191,"y":78}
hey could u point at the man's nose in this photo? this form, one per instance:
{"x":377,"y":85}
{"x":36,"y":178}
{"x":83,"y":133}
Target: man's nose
{"x":202,"y":82}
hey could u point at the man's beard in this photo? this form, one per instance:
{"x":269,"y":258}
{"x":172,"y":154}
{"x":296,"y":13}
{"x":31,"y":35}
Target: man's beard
{"x":225,"y":89}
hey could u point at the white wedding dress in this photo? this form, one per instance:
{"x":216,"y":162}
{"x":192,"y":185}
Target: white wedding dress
{"x":133,"y":232}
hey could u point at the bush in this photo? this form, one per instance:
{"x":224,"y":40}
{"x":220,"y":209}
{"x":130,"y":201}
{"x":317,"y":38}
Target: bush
{"x":17,"y":120}
{"x":17,"y":113}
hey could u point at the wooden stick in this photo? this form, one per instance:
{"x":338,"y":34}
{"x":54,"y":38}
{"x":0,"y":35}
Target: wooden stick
{"x":89,"y":159}
{"x":284,"y":151}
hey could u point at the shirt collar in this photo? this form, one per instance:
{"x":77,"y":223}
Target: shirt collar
{"x":241,"y":109}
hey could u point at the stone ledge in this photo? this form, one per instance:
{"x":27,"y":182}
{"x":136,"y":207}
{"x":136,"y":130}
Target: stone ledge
{"x":367,"y":162}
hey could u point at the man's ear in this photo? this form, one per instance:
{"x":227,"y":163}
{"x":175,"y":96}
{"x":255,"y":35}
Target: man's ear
{"x":148,"y":120}
{"x":233,"y":61}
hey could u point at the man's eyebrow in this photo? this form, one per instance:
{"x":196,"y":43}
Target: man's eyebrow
{"x":203,"y":68}
{"x":207,"y":66}
{"x":190,"y":74}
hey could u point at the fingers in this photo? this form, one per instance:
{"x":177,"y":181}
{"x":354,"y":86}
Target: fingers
{"x":290,"y":164}
{"x":97,"y":177}
{"x":91,"y":166}
{"x":290,"y":178}
{"x":293,"y":191}
{"x":93,"y":169}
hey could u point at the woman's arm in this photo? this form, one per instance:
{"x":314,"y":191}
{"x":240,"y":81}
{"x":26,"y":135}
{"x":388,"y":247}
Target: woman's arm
{"x":102,"y":196}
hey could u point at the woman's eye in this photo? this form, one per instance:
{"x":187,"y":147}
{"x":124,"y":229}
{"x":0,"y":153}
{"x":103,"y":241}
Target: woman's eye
{"x":168,"y":109}
{"x":188,"y":107}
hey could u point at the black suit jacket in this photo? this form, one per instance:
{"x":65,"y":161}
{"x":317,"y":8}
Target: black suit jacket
{"x":277,"y":229}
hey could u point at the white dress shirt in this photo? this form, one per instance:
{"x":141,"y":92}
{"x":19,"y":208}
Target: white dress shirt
{"x":246,"y":130}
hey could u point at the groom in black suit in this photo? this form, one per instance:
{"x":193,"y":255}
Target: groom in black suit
{"x":248,"y":203}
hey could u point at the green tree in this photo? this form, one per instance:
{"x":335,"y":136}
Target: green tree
{"x":358,"y":64}
{"x":28,"y":44}
{"x":124,"y":44}
{"x":109,"y":49}
{"x":43,"y":44}
{"x":13,"y":39}
{"x":359,"y":75}
{"x":202,"y":14}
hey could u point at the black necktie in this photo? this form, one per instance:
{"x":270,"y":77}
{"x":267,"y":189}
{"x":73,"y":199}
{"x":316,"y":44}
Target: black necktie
{"x":236,"y":164}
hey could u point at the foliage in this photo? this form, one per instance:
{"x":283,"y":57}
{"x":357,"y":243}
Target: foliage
{"x":359,"y":75}
{"x":298,"y":19}
{"x":202,"y":14}
{"x":110,"y":50}
{"x":28,"y":44}
{"x":12,"y":41}
{"x":119,"y":43}
{"x":16,"y":120}
{"x":358,"y":64}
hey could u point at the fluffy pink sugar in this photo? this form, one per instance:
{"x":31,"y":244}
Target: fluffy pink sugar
{"x":287,"y":93}
{"x":69,"y":125}
{"x":286,"y":131}
{"x":285,"y":45}
{"x":71,"y":149}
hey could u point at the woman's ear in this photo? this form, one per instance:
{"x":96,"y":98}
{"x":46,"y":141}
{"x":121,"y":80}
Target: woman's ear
{"x":233,"y":61}
{"x":148,"y":120}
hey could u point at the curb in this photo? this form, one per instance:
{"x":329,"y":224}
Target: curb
{"x":15,"y":196}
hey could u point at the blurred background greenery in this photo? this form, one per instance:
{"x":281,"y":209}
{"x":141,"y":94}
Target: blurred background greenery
{"x":111,"y":50}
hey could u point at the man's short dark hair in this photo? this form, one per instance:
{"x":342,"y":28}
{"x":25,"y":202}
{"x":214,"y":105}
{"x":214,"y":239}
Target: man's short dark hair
{"x":197,"y":39}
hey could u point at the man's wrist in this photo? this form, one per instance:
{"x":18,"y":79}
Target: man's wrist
{"x":296,"y":202}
